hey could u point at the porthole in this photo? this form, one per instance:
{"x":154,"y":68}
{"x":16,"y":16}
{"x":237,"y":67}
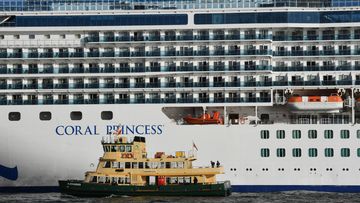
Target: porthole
{"x":106,"y":115}
{"x":45,"y":116}
{"x":76,"y":115}
{"x":14,"y":116}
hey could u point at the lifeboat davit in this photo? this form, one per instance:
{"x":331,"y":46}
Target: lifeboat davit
{"x":331,"y":103}
{"x":205,"y":119}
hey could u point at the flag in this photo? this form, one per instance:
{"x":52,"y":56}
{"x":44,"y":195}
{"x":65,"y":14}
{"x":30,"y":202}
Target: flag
{"x":194,"y":146}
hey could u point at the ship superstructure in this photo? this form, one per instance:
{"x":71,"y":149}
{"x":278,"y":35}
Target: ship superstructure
{"x":281,"y":77}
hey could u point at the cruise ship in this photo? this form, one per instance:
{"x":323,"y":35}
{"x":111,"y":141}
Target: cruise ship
{"x":267,"y":88}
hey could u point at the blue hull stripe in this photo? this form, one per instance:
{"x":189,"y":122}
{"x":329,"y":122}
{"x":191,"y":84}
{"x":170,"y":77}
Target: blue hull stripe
{"x":235,"y":188}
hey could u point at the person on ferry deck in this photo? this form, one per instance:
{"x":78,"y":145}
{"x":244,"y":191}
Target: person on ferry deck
{"x":217,"y":164}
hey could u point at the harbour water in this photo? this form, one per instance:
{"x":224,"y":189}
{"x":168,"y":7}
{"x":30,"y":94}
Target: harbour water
{"x":294,"y":196}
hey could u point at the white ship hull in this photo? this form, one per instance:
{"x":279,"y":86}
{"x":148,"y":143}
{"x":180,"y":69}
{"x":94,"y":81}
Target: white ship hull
{"x":43,"y":153}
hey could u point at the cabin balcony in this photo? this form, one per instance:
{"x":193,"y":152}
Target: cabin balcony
{"x":122,"y":101}
{"x":91,"y":101}
{"x":62,"y":86}
{"x":92,"y":85}
{"x":77,"y":70}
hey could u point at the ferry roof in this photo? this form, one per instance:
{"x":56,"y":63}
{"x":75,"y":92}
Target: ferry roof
{"x":96,"y":5}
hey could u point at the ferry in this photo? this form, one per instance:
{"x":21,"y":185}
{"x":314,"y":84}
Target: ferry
{"x":268,"y":87}
{"x":126,"y":169}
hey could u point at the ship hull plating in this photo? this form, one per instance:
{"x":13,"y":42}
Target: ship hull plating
{"x":43,"y":153}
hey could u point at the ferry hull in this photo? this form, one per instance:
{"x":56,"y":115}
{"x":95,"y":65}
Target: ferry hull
{"x":81,"y":189}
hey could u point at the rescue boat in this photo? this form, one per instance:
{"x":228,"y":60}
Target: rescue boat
{"x":205,"y":119}
{"x":316,"y":103}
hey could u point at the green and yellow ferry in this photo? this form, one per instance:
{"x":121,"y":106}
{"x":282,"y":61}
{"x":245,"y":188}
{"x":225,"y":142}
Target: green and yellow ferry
{"x":125,"y":169}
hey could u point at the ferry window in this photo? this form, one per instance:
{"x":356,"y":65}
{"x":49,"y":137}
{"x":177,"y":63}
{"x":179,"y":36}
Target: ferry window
{"x":121,"y":164}
{"x":296,"y":134}
{"x":76,"y":115}
{"x":127,"y":165}
{"x":265,"y":134}
{"x":312,"y":134}
{"x":45,"y":116}
{"x":122,"y":148}
{"x":113,"y":148}
{"x":313,"y":152}
{"x":141,"y":164}
{"x":180,"y":164}
{"x":296,"y":152}
{"x":328,"y":134}
{"x":31,"y":36}
{"x":14,"y":116}
{"x":358,"y":134}
{"x":280,"y":152}
{"x":345,"y":152}
{"x":128,"y":148}
{"x":265,"y":152}
{"x":345,"y":134}
{"x":329,"y":152}
{"x":115,"y":164}
{"x":107,"y":115}
{"x":94,"y":179}
{"x":134,"y":164}
{"x":280,"y":134}
{"x":107,"y":164}
{"x":162,"y":164}
{"x":106,"y":148}
{"x":168,"y":164}
{"x":358,"y":152}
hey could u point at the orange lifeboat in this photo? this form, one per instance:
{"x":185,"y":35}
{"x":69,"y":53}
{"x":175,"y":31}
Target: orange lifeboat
{"x":205,"y":119}
{"x":316,"y":103}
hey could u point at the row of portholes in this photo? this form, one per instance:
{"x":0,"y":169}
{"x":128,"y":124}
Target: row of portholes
{"x":295,"y":169}
{"x":47,"y":115}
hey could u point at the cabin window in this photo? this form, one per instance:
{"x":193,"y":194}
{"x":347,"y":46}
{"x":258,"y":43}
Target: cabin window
{"x":128,"y":148}
{"x":107,"y":115}
{"x":127,"y":165}
{"x":141,"y":164}
{"x":134,"y":164}
{"x":280,"y":134}
{"x":358,"y":134}
{"x":180,"y":164}
{"x":147,"y":165}
{"x":115,"y":164}
{"x":329,"y":152}
{"x":45,"y":116}
{"x":168,"y":164}
{"x":76,"y":115}
{"x":113,"y":148}
{"x":358,"y":152}
{"x":107,"y":164}
{"x":345,"y":134}
{"x":328,"y":134}
{"x":265,"y":152}
{"x":296,"y":134}
{"x":106,"y":148}
{"x":121,"y":164}
{"x":94,"y":179}
{"x":345,"y":152}
{"x":312,"y":134}
{"x":162,"y":164}
{"x":313,"y":152}
{"x":296,"y":152}
{"x":280,"y":152}
{"x":265,"y":134}
{"x":122,"y":148}
{"x":14,"y":116}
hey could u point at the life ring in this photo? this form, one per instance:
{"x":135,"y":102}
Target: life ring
{"x":130,"y":155}
{"x":123,"y":155}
